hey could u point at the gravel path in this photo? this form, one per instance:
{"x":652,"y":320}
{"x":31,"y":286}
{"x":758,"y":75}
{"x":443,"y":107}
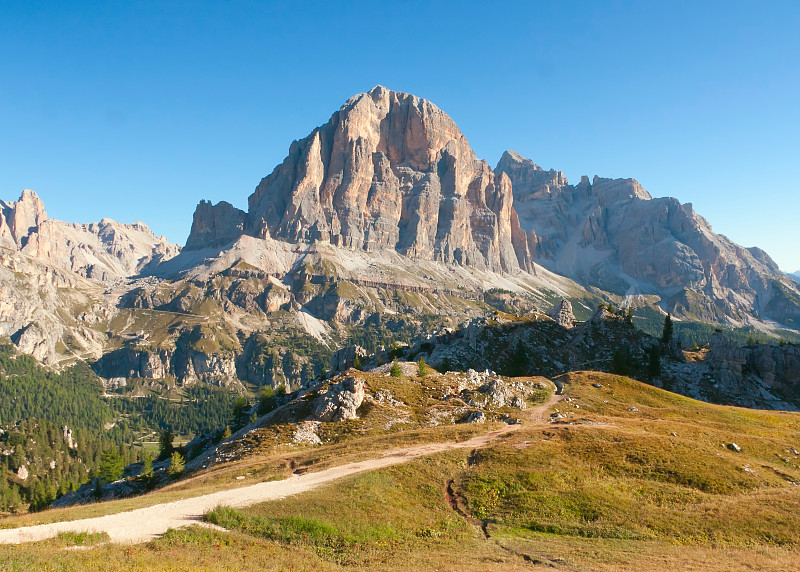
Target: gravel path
{"x":144,"y":524}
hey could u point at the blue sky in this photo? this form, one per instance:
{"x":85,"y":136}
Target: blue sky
{"x":138,"y":110}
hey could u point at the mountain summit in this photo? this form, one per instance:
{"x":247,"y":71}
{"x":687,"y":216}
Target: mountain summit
{"x":388,"y":170}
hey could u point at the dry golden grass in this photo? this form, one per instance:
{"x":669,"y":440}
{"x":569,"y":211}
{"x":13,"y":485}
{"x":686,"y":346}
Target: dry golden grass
{"x":604,"y":489}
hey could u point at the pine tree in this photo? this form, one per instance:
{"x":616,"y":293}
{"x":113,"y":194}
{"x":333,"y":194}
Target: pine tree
{"x":165,"y":444}
{"x":666,"y":336}
{"x":622,"y":361}
{"x":111,"y":466}
{"x":395,"y":371}
{"x":653,"y":362}
{"x":147,"y":465}
{"x":422,"y":370}
{"x":519,"y":364}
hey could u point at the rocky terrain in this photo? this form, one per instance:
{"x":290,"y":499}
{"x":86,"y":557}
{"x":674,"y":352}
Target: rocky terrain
{"x":104,"y":251}
{"x":760,"y":376}
{"x":611,"y":234}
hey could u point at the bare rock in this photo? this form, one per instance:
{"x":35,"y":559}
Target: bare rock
{"x":105,"y":251}
{"x":35,"y":341}
{"x":68,"y":438}
{"x":562,"y":314}
{"x":306,"y":433}
{"x":215,"y":225}
{"x":388,"y":171}
{"x":340,"y":401}
{"x":476,"y":417}
{"x":611,"y":234}
{"x":498,"y":393}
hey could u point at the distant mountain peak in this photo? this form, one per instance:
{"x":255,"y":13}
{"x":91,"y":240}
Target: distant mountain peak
{"x":104,"y":251}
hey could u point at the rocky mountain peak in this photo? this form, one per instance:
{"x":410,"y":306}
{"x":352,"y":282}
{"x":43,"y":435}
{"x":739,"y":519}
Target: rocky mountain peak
{"x":17,"y":219}
{"x":611,"y":234}
{"x":526,"y":174}
{"x":389,"y":170}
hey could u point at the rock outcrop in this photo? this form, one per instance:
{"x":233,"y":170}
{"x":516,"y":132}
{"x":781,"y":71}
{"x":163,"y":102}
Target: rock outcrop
{"x":562,"y":314}
{"x":738,"y":370}
{"x":215,"y":225}
{"x":340,"y":401}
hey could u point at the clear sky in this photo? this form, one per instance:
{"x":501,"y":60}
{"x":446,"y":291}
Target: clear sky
{"x":138,"y":110}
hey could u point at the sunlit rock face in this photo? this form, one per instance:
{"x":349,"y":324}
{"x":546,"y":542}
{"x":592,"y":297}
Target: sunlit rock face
{"x":388,"y":170}
{"x":611,"y":234}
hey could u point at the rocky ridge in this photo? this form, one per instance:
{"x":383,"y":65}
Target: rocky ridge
{"x":758,"y":376}
{"x":611,"y":234}
{"x":102,"y":251}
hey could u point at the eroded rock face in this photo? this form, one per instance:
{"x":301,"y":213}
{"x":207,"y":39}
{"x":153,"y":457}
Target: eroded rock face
{"x":215,"y":225}
{"x":341,"y":400}
{"x":562,"y":314}
{"x":735,"y":368}
{"x":18,"y":219}
{"x":33,"y":340}
{"x":389,"y":170}
{"x":610,"y":233}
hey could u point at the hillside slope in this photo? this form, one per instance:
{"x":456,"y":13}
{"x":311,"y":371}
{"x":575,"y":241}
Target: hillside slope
{"x":623,"y":473}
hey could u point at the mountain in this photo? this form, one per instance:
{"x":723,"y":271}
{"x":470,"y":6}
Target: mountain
{"x":388,"y":171}
{"x":392,"y":173}
{"x":611,"y":234}
{"x":103,"y":251}
{"x":380,"y":225}
{"x":54,"y":274}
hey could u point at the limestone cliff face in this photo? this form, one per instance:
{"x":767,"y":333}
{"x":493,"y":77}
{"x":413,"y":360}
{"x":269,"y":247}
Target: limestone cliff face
{"x":103,"y":251}
{"x":388,"y":171}
{"x":215,"y":225}
{"x":611,"y":234}
{"x":741,"y":370}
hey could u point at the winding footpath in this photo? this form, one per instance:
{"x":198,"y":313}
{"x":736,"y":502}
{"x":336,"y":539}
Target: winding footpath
{"x":144,"y":524}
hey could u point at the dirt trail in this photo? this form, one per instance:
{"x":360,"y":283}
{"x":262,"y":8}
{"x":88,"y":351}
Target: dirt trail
{"x":150,"y":522}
